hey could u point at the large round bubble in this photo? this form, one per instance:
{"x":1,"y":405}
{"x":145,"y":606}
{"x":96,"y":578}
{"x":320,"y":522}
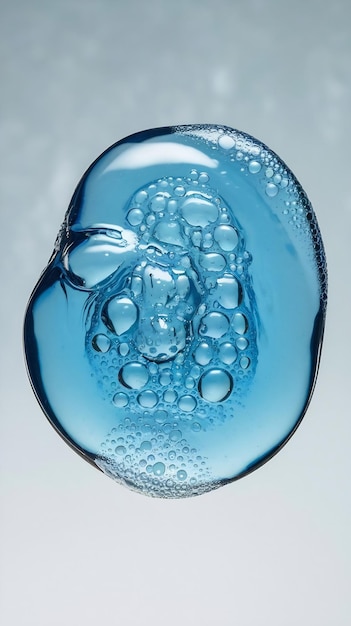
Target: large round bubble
{"x":174,"y":338}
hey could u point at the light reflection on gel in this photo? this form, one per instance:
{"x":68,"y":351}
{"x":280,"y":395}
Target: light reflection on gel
{"x":174,"y":338}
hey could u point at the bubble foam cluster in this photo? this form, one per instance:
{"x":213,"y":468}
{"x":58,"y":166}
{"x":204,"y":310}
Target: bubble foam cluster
{"x":174,"y":338}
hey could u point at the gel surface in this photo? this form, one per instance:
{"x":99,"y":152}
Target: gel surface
{"x":174,"y":338}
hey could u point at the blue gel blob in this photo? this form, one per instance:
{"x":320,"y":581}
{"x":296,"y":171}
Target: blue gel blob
{"x":174,"y":338}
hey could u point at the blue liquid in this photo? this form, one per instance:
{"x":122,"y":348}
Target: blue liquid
{"x":174,"y":338}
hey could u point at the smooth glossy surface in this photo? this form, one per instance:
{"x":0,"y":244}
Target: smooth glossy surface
{"x":174,"y":338}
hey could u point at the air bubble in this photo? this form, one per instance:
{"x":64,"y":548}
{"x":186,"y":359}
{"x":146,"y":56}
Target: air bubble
{"x":175,"y":435}
{"x":135,"y":217}
{"x":215,"y":385}
{"x":120,"y":450}
{"x":158,"y":469}
{"x":203,"y":178}
{"x":181,"y":475}
{"x":271,"y":190}
{"x":244,"y":362}
{"x":203,"y":354}
{"x":137,"y":285}
{"x":227,"y":353}
{"x":189,"y":382}
{"x":226,"y":142}
{"x":228,"y":292}
{"x":147,"y":399}
{"x":141,"y":196}
{"x":145,"y":445}
{"x":133,"y":375}
{"x":120,"y":399}
{"x":212,"y":262}
{"x":123,"y":349}
{"x":255,"y":167}
{"x":198,"y":211}
{"x":101,"y":343}
{"x":187,"y":403}
{"x":239,"y":323}
{"x":120,"y":315}
{"x":242,"y":343}
{"x":226,"y":237}
{"x":214,"y":325}
{"x":179,"y":191}
{"x":169,"y":232}
{"x":170,"y":396}
{"x":158,"y":202}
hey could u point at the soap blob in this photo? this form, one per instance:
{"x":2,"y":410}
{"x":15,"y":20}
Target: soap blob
{"x":173,"y":340}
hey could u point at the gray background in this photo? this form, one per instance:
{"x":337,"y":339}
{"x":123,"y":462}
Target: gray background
{"x":76,"y":548}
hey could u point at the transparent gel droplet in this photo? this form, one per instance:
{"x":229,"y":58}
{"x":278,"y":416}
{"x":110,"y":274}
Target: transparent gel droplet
{"x":174,"y":338}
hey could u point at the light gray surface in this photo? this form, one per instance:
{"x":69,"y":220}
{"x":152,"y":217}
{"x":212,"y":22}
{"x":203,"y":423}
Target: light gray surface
{"x":274,"y":548}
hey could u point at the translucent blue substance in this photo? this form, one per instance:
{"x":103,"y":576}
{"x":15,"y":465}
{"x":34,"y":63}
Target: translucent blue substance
{"x":173,"y":339}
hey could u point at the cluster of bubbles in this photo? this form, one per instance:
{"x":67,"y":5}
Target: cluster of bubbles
{"x":152,"y":456}
{"x":273,"y":177}
{"x":177,"y":338}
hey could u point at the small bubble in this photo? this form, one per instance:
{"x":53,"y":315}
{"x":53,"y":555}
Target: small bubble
{"x":239,"y":323}
{"x":147,"y":399}
{"x":215,"y":385}
{"x":145,"y":445}
{"x":271,"y":190}
{"x":170,"y":396}
{"x":160,"y":416}
{"x":179,"y":191}
{"x":158,"y":202}
{"x":203,"y":178}
{"x":203,"y":354}
{"x":189,"y":382}
{"x":123,"y":349}
{"x":120,"y":399}
{"x":120,"y":314}
{"x":187,"y":403}
{"x":120,"y":450}
{"x":158,"y":469}
{"x":242,"y":343}
{"x":133,"y":375}
{"x":199,"y":211}
{"x":244,"y":362}
{"x":172,"y":206}
{"x":196,"y":427}
{"x":182,"y":475}
{"x":135,"y":217}
{"x":101,"y":343}
{"x":141,"y":196}
{"x":213,"y":262}
{"x":165,"y":379}
{"x":214,"y":325}
{"x":195,"y":371}
{"x":175,"y":435}
{"x":227,"y":353}
{"x":229,"y":291}
{"x":254,"y":167}
{"x":226,"y":142}
{"x":226,"y":237}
